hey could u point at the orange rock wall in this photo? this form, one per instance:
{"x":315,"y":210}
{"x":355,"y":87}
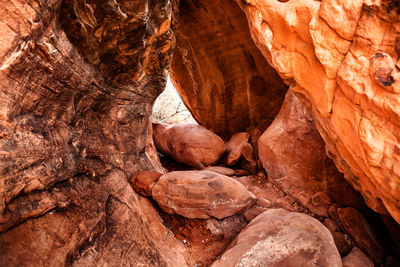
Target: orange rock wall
{"x":344,"y":57}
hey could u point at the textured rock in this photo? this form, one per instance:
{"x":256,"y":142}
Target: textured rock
{"x":201,"y":194}
{"x":281,"y":238}
{"x":234,"y":148}
{"x":357,"y":258}
{"x":144,"y":181}
{"x":247,"y":161}
{"x":362,"y":233}
{"x":221,"y":170}
{"x":221,"y":75}
{"x":188,"y":143}
{"x":293,"y":154}
{"x":77,"y":82}
{"x":343,"y":56}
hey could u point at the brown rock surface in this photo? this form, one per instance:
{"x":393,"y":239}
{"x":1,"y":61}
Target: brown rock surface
{"x":201,"y":194}
{"x":293,"y":154}
{"x":234,"y":148}
{"x":221,"y":75}
{"x":362,"y":233}
{"x":77,"y":82}
{"x":144,"y":181}
{"x":281,"y":238}
{"x":357,"y":258}
{"x":343,"y":57}
{"x":188,"y":143}
{"x":221,"y":170}
{"x":247,"y":161}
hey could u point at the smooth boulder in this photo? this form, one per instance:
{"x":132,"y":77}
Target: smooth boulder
{"x":278,"y":237}
{"x":201,"y":194}
{"x":187,"y":143}
{"x":234,"y":148}
{"x":144,"y":181}
{"x":357,"y":258}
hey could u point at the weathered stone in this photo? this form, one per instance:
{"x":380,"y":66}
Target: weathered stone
{"x":77,"y":82}
{"x":357,"y":258}
{"x":221,"y":170}
{"x":293,"y":154}
{"x":342,"y":56}
{"x":188,"y":143}
{"x":201,"y":194}
{"x":144,"y":181}
{"x":247,"y":161}
{"x":234,"y":148}
{"x":361,"y":232}
{"x":281,"y":238}
{"x":221,"y":75}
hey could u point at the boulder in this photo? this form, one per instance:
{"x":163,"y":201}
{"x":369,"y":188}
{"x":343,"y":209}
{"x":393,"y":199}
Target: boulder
{"x":281,"y":238}
{"x":188,"y":143}
{"x":361,"y":232}
{"x":144,"y":181}
{"x":247,"y":161}
{"x":356,"y":258}
{"x":234,"y":148}
{"x":221,"y":170}
{"x":293,"y":154}
{"x":201,"y":194}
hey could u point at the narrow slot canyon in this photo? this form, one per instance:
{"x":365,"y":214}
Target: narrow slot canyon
{"x":200,"y":133}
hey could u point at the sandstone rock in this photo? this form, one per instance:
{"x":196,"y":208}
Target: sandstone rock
{"x":247,"y":161}
{"x":221,"y":170}
{"x":201,"y":194}
{"x":144,"y":181}
{"x":187,"y":143}
{"x":281,"y":238}
{"x":240,"y":172}
{"x":77,"y":82}
{"x":343,"y":243}
{"x":234,"y":148}
{"x":357,"y":258}
{"x":361,"y":232}
{"x":220,"y":74}
{"x":341,"y":56}
{"x":293,"y":155}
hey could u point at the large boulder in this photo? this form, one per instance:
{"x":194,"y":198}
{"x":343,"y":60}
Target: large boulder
{"x":201,"y":194}
{"x":281,"y":238}
{"x":343,"y":56}
{"x":293,"y":154}
{"x":188,"y":143}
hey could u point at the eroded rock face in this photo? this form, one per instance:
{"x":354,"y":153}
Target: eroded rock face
{"x":188,"y":143}
{"x":344,"y":57}
{"x":201,"y":194}
{"x":77,"y":84}
{"x":219,"y":72}
{"x":281,"y":238}
{"x":293,"y":154}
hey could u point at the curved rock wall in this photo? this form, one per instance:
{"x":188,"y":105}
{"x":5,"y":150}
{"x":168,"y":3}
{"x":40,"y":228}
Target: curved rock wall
{"x":344,"y":56}
{"x":77,"y":82}
{"x":220,"y":74}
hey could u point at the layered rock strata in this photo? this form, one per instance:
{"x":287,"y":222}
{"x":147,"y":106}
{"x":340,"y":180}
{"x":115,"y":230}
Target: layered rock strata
{"x":343,"y":56}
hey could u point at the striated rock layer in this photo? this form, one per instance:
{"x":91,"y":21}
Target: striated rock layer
{"x":344,"y":57}
{"x":77,"y":82}
{"x":221,"y":75}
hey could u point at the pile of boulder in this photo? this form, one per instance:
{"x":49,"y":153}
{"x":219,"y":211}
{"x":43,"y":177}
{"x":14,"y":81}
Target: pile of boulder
{"x":213,"y":189}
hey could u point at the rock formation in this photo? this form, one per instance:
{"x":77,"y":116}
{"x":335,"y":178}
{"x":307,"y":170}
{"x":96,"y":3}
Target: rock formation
{"x":188,"y":143}
{"x":77,"y":84}
{"x":293,"y":154}
{"x":201,"y":194}
{"x":281,"y":238}
{"x":220,"y":74}
{"x":343,"y":56}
